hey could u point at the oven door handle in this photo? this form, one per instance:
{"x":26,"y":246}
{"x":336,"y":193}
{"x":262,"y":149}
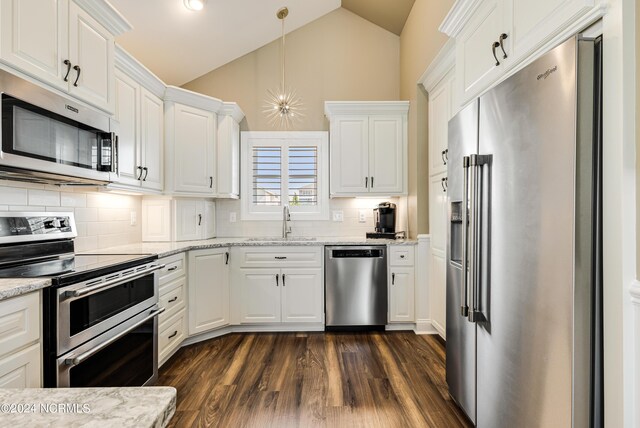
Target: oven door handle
{"x":84,"y":356}
{"x":111,"y":283}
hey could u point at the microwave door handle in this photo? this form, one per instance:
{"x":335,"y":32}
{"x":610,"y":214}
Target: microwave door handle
{"x":114,"y":153}
{"x":84,"y":356}
{"x":87,"y":291}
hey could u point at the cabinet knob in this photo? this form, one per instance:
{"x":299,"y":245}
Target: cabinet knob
{"x":402,"y":256}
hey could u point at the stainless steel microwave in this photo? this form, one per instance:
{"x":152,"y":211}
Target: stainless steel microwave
{"x":48,"y":136}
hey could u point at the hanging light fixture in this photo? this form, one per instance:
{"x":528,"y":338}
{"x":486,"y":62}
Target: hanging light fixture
{"x":283,"y":106}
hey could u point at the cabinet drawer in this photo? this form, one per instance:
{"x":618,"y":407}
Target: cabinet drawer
{"x":172,"y":298}
{"x":401,"y":255}
{"x":19,"y":322}
{"x":21,"y":369}
{"x":175,"y":268}
{"x":171,"y":335}
{"x":281,"y":257}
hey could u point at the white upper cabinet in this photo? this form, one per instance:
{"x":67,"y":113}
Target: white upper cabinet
{"x":60,"y":44}
{"x":494,"y":36}
{"x":227,"y":181}
{"x":368,"y":146}
{"x":182,"y":219}
{"x":35,"y":38}
{"x":440,"y":111}
{"x":91,"y":49}
{"x":190,"y":123}
{"x":139,"y":116}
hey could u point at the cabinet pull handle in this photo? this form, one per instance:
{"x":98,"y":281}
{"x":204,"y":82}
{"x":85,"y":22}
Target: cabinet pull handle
{"x":146,"y":172}
{"x":283,"y":284}
{"x":393,"y":279}
{"x":79,"y":70}
{"x":444,"y":160}
{"x":172,"y":335}
{"x":68,"y":64}
{"x":139,"y":168}
{"x":503,"y":37}
{"x":210,"y":182}
{"x":493,"y":47}
{"x":227,"y":258}
{"x":172,"y":300}
{"x":402,"y":256}
{"x":366,"y":182}
{"x":199,"y":219}
{"x":446,"y":156}
{"x":444,"y":183}
{"x":372,"y":182}
{"x":280,"y":258}
{"x":277,"y":279}
{"x":172,"y":268}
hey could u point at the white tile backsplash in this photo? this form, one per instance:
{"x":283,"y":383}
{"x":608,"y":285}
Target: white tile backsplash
{"x":102,"y":218}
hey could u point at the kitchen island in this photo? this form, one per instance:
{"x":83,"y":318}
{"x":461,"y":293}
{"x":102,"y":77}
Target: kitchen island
{"x":144,"y":407}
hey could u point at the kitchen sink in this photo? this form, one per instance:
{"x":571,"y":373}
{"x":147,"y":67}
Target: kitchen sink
{"x":278,"y":239}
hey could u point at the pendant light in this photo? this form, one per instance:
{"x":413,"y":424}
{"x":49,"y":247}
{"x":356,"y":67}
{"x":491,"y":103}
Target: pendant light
{"x":283,"y":106}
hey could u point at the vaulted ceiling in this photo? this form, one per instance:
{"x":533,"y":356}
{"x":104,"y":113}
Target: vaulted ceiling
{"x":179,"y":45}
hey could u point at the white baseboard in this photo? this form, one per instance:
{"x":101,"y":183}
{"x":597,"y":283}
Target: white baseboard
{"x":425,"y":326}
{"x":441,"y":330}
{"x":248,"y":328}
{"x":400,"y":327}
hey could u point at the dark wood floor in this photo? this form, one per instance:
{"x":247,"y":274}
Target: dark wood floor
{"x":385,"y":379}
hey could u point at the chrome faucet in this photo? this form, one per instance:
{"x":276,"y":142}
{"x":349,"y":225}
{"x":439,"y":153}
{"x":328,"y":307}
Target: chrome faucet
{"x":286,"y":216}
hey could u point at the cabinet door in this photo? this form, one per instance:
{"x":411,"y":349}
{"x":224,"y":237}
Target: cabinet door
{"x":535,"y":22}
{"x":476,"y":67}
{"x":193,"y":150}
{"x":260,"y":296}
{"x":302,"y":291}
{"x":228,"y":158}
{"x":208,"y":290}
{"x":439,"y":115}
{"x":349,"y":144}
{"x":189,"y":219}
{"x":151,"y":139}
{"x":156,"y":220}
{"x":22,"y":369}
{"x":91,"y":49}
{"x":209,"y":226}
{"x":387,"y":150}
{"x":401,"y":294}
{"x":35,"y":38}
{"x":438,"y":294}
{"x":126,"y":113}
{"x":438,"y":213}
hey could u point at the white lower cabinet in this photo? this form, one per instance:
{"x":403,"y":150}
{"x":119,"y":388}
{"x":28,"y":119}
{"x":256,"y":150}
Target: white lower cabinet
{"x":208,"y":289}
{"x":20,"y":352}
{"x":281,"y":295}
{"x":172,"y":325}
{"x":401,"y":284}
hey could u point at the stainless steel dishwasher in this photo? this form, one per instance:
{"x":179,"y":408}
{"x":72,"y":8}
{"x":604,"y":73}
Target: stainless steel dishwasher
{"x":355,"y":286}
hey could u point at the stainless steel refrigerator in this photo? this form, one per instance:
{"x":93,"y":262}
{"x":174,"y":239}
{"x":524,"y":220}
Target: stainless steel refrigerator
{"x":524,"y":327}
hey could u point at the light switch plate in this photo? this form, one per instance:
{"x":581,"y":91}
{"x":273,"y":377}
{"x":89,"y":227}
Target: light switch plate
{"x":337,"y":215}
{"x":362,"y":216}
{"x":232,"y":217}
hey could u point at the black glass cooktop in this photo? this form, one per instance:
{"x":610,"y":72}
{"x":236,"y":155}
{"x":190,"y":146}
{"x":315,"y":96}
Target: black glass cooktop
{"x":76,"y":268}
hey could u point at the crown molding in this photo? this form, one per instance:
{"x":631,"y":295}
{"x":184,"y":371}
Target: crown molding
{"x":138,"y":72}
{"x":442,"y":64}
{"x":458,"y":16}
{"x":107,"y":15}
{"x":365,"y":107}
{"x":233,"y":110}
{"x":194,"y":99}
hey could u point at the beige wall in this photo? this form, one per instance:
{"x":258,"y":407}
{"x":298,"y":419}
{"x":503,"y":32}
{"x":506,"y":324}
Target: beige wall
{"x":337,"y":57}
{"x":420,"y":41}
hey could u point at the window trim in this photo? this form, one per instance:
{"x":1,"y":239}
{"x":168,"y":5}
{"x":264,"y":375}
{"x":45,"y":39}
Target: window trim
{"x":284,"y":139}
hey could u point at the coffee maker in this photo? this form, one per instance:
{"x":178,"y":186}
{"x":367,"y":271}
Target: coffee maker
{"x":384,"y":218}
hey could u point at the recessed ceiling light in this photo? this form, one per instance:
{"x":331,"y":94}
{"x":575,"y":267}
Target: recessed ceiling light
{"x":194,"y":4}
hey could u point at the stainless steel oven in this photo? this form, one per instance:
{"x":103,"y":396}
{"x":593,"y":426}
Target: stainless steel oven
{"x":126,"y":355}
{"x":90,"y":308}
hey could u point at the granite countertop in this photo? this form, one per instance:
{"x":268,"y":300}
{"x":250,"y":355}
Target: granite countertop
{"x":88,"y":407}
{"x":11,"y":287}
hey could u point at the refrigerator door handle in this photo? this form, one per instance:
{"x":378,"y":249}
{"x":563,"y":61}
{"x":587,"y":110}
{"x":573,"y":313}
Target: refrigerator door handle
{"x":464,"y":307}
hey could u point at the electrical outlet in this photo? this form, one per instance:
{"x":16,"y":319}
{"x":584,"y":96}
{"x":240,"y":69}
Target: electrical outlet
{"x":134,"y":218}
{"x":362,"y":216}
{"x":232,"y":217}
{"x":337,"y":215}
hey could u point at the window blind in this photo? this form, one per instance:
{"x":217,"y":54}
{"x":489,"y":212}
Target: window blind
{"x":303,"y":176}
{"x":267,"y":175}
